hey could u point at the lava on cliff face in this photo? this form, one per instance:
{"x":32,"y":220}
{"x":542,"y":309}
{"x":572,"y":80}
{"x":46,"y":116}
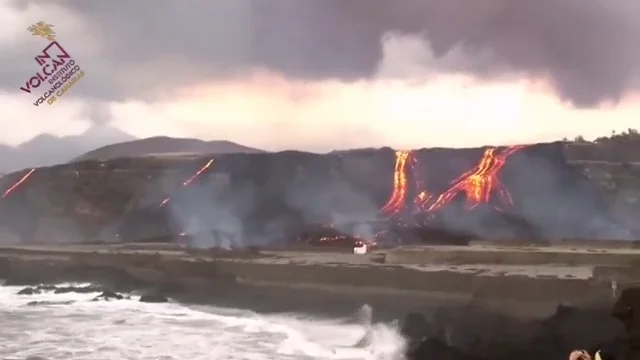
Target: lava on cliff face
{"x":375,"y":195}
{"x":436,"y":196}
{"x":405,"y":160}
{"x":477,"y":185}
{"x":18,"y":183}
{"x":411,"y":211}
{"x":414,"y":210}
{"x":190,"y":180}
{"x":480,"y":183}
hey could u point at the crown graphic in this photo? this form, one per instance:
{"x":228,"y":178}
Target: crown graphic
{"x":43,"y":30}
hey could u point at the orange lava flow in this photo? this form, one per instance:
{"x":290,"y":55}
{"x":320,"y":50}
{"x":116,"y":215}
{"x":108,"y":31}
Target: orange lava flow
{"x":190,"y":180}
{"x":400,"y":189}
{"x":18,"y":183}
{"x":423,"y":197}
{"x":479,"y":183}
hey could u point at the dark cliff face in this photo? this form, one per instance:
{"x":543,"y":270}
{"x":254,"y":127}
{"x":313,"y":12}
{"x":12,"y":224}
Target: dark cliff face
{"x":272,"y":198}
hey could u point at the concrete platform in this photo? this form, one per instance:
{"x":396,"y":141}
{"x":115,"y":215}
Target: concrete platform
{"x":443,"y":273}
{"x":575,"y":255}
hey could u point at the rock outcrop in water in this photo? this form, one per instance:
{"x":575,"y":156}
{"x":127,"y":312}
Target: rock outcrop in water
{"x":627,"y":311}
{"x":273,"y":198}
{"x":481,"y":334}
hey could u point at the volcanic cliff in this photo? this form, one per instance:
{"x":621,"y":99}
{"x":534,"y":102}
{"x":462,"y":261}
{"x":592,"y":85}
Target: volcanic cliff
{"x":277,"y":199}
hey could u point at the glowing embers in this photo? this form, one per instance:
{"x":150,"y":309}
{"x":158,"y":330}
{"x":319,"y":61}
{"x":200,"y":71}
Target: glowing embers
{"x":18,"y":183}
{"x":481,"y":182}
{"x":346,"y":237}
{"x":190,"y":180}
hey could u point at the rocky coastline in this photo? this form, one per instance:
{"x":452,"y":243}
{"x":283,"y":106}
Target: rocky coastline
{"x":444,"y":325}
{"x":457,"y":333}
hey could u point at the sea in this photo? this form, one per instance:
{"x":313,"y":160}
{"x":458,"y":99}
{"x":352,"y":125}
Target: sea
{"x":71,"y":326}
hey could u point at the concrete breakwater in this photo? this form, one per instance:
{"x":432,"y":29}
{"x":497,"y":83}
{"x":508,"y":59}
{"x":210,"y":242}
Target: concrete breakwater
{"x":533,"y":277}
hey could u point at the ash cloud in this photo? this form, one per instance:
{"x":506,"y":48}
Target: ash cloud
{"x":588,"y":49}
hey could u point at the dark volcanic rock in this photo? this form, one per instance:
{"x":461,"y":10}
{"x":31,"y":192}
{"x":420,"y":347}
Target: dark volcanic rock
{"x":627,"y":311}
{"x":49,"y":303}
{"x":475,"y":333}
{"x":56,"y":289}
{"x":109,"y":295}
{"x":28,"y":291}
{"x":270,"y":199}
{"x":153,"y":297}
{"x":78,"y":289}
{"x":437,"y":349}
{"x":37,"y":289}
{"x":415,"y":327}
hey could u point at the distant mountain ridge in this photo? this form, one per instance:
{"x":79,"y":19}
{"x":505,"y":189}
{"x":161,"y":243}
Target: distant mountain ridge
{"x":165,"y":146}
{"x":104,"y":142}
{"x":47,"y":149}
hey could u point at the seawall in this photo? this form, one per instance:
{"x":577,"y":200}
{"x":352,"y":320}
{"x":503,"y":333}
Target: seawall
{"x":524,"y":281}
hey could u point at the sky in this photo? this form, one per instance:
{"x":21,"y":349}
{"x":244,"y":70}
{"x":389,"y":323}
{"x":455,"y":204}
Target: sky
{"x":331,"y":74}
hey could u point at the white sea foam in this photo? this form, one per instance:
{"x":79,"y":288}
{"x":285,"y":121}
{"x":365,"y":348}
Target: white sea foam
{"x":128,"y":329}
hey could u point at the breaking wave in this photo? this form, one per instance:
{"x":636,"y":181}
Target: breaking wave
{"x":71,"y":326}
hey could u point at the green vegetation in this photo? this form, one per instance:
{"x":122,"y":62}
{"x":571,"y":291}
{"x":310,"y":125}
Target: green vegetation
{"x":630,"y":135}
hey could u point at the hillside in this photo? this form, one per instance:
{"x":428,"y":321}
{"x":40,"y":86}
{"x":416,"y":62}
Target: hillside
{"x":163,"y":146}
{"x":286,"y":197}
{"x":621,"y":147}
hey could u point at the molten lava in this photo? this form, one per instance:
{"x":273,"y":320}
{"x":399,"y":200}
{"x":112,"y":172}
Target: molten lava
{"x":190,"y":180}
{"x":423,"y":197}
{"x":18,"y":183}
{"x":410,"y":190}
{"x":481,"y":182}
{"x":404,"y":161}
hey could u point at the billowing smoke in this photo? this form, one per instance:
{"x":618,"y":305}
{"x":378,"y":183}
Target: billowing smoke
{"x":588,"y":50}
{"x":340,"y":74}
{"x":203,"y":215}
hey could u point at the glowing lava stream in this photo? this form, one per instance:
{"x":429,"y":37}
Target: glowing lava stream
{"x":423,"y":196}
{"x":397,"y":200}
{"x":18,"y":183}
{"x":190,"y":180}
{"x":479,"y":183}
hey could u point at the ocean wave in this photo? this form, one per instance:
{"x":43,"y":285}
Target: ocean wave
{"x":129,"y":329}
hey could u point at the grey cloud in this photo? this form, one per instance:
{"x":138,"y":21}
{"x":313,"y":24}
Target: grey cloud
{"x":588,"y":48}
